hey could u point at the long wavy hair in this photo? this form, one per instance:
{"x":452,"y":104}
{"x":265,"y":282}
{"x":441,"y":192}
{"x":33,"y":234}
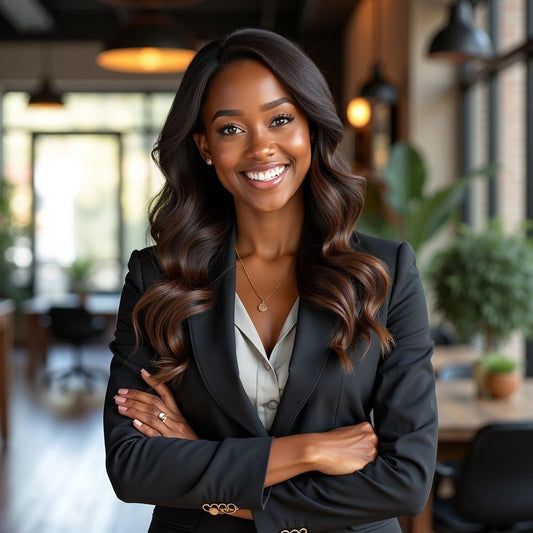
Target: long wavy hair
{"x":192,"y":217}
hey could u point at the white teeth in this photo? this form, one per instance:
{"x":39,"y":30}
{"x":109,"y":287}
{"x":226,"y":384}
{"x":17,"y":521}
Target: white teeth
{"x":265,"y":176}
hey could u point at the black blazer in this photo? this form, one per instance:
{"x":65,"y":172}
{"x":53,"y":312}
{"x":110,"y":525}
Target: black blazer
{"x":395,"y":392}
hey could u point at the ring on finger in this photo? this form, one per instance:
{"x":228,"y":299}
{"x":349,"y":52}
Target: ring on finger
{"x":162,"y":416}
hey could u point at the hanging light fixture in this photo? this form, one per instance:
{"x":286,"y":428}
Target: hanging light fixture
{"x":359,"y":112}
{"x":45,"y":96}
{"x":460,"y":40}
{"x":377,"y":88}
{"x":150,"y":43}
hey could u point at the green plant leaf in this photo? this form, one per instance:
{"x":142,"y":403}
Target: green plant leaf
{"x":405,"y":177}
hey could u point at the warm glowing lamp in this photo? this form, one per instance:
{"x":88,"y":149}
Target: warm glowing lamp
{"x":149,"y":44}
{"x":359,"y":112}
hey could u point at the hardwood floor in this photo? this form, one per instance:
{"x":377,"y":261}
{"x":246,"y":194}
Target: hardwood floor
{"x":52,"y":472}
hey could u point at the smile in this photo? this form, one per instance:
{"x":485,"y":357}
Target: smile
{"x":268,"y":175}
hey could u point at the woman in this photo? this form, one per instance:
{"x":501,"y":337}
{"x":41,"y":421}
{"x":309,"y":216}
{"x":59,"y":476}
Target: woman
{"x":272,"y":368}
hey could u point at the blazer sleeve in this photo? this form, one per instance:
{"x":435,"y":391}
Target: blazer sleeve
{"x":169,"y":471}
{"x":397,"y":483}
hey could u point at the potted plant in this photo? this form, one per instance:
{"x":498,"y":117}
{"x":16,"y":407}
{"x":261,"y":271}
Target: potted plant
{"x":400,"y":208}
{"x":483,"y":285}
{"x":6,"y":240}
{"x":502,"y":376}
{"x":79,"y":273}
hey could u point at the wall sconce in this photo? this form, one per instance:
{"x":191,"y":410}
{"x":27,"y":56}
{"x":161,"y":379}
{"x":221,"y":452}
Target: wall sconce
{"x":377,"y":88}
{"x":460,"y":40}
{"x":151,"y":43}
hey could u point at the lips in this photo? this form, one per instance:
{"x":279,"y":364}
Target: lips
{"x":269,"y":174}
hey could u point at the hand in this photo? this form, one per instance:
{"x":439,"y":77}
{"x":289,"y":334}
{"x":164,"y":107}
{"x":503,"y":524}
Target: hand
{"x":344,"y":450}
{"x":144,"y":408}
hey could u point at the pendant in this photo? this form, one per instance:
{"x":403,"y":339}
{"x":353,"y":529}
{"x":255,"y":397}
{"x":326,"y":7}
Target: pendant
{"x":262,"y":307}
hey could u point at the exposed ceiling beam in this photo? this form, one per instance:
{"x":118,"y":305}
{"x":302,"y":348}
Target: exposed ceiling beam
{"x":27,"y":16}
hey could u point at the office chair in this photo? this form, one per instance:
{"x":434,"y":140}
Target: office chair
{"x":450,"y":372}
{"x":494,"y":484}
{"x":77,"y":327}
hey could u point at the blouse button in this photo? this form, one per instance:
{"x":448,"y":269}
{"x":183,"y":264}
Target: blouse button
{"x":272,"y":404}
{"x":266,"y":364}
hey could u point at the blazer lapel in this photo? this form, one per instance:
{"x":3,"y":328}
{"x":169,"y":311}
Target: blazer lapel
{"x":213,"y":345}
{"x":309,"y":357}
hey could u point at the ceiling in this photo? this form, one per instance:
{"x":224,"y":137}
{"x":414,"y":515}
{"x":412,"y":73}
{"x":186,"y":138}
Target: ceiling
{"x":62,"y":20}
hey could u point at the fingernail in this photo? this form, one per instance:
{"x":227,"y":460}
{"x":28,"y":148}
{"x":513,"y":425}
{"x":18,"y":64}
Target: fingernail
{"x":123,"y":392}
{"x":122,"y":408}
{"x":145,"y":372}
{"x":120,"y":399}
{"x":137,"y":423}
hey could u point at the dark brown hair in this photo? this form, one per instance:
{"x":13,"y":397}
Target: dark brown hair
{"x":193,"y":215}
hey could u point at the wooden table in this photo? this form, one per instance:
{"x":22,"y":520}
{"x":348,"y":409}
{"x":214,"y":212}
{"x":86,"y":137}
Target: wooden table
{"x":457,"y":354}
{"x":7,"y":309}
{"x":37,"y":323}
{"x":461,"y":415}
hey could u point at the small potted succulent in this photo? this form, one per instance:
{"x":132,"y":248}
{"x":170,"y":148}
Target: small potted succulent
{"x":483,"y":286}
{"x":502,"y":375}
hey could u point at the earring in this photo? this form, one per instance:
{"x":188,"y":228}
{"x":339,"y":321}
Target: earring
{"x":208,"y":161}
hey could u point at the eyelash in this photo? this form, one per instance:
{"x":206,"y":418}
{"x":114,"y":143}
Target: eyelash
{"x":287,"y":118}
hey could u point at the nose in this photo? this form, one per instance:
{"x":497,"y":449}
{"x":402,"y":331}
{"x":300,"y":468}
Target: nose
{"x":260,"y":145}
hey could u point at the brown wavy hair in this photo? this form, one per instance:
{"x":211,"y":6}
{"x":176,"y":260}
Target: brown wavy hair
{"x":193,"y":216}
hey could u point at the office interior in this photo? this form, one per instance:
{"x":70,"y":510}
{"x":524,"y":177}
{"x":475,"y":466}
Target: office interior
{"x":77,"y":178}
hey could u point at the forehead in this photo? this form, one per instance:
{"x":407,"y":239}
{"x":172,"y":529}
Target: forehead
{"x":244,"y":83}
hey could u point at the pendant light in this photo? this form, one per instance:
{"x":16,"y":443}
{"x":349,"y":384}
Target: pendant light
{"x":460,"y":40}
{"x":150,"y":43}
{"x":377,"y":88}
{"x":45,"y":96}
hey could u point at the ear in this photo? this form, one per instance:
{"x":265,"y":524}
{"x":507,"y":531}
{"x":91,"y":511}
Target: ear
{"x":201,"y":141}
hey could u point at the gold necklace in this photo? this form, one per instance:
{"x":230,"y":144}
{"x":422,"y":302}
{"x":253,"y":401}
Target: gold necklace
{"x":262,"y":307}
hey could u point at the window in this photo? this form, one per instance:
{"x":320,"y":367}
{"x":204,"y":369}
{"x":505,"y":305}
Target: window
{"x":82,"y":178}
{"x":497,"y":104}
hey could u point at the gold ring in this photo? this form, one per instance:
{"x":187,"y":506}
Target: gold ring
{"x":162,"y":416}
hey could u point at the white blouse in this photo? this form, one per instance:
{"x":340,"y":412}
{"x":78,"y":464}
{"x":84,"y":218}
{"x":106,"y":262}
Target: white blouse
{"x":263,"y":378}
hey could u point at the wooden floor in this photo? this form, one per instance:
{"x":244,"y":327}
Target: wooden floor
{"x":52,"y":472}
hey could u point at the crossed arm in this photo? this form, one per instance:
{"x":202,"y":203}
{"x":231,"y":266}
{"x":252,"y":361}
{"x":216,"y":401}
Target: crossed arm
{"x":337,"y":452}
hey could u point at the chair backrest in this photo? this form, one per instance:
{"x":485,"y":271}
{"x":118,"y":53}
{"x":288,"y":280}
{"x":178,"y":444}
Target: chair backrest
{"x":447,"y":373}
{"x":495,"y":487}
{"x":73,"y":324}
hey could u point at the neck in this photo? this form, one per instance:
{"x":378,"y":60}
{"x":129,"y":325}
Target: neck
{"x":269,"y":235}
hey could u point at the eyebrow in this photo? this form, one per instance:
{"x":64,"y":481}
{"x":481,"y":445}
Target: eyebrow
{"x":264,"y":107}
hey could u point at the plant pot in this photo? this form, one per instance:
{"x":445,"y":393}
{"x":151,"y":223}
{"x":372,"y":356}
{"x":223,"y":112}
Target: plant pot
{"x":502,"y":384}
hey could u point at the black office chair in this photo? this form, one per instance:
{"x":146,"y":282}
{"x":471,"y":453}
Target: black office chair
{"x":450,"y":372}
{"x":77,"y":327}
{"x":494,"y":485}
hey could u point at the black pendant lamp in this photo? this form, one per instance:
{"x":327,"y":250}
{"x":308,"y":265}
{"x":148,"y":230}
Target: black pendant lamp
{"x":460,"y":40}
{"x":150,"y":43}
{"x":45,"y":96}
{"x":377,"y":87}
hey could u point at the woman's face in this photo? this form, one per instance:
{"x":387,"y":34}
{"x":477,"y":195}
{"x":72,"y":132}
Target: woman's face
{"x":257,"y":138}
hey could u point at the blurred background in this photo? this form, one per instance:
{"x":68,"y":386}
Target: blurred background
{"x":437,"y":101}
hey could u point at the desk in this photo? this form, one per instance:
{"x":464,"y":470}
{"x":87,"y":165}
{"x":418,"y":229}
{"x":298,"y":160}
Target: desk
{"x":37,"y":330}
{"x":461,"y":414}
{"x":6,"y":344}
{"x":457,"y":354}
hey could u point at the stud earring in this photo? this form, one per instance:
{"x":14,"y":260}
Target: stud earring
{"x":209,"y":161}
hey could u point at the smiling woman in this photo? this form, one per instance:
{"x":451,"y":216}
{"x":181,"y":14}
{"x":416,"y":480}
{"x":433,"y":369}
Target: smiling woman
{"x":260,"y":337}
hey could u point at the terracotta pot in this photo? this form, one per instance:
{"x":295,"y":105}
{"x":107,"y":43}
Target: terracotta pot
{"x":502,"y":384}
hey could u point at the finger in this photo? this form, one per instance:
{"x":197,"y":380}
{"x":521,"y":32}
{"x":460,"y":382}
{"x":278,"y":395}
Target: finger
{"x":145,"y":429}
{"x":161,"y":389}
{"x":148,"y":414}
